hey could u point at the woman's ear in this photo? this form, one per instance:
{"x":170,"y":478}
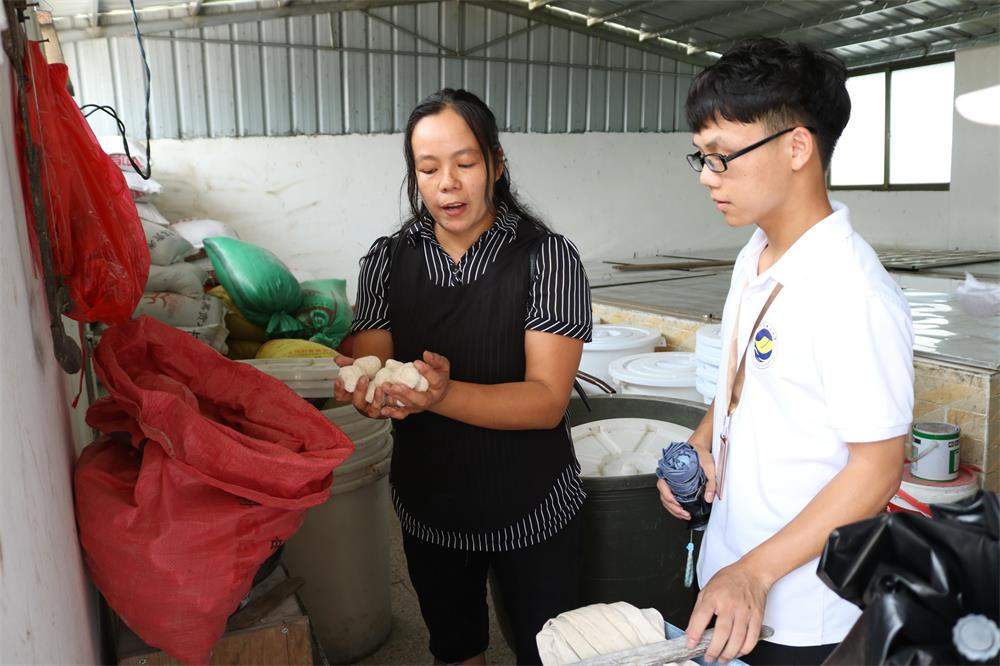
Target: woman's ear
{"x":499,"y":165}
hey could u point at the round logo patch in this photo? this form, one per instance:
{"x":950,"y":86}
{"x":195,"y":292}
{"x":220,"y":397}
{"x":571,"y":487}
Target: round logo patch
{"x":763,"y":346}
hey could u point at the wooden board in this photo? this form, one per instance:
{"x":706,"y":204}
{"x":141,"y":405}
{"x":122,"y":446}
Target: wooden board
{"x":286,"y":642}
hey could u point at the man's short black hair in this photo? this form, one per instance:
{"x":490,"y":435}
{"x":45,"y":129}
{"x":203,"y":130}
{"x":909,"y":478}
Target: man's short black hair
{"x":778,"y":84}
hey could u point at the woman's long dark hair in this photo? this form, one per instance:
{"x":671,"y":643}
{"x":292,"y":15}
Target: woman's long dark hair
{"x":483,"y":124}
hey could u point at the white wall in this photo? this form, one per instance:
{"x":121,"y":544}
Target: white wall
{"x":47,"y":607}
{"x":975,"y":160}
{"x":319,"y":201}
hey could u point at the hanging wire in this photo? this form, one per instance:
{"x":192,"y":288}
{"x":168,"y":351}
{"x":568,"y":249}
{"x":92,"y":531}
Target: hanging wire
{"x":90,"y":109}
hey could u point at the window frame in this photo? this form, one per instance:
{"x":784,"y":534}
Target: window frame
{"x":886,"y":186}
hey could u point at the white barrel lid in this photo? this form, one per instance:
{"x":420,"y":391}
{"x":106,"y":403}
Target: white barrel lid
{"x":659,"y":369}
{"x":706,"y":389}
{"x":614,"y":337}
{"x":622,"y":447}
{"x":297,"y":369}
{"x":708,"y":373}
{"x":709,"y":336}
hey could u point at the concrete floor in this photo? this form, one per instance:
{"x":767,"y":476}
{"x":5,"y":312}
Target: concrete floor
{"x":407,"y":644}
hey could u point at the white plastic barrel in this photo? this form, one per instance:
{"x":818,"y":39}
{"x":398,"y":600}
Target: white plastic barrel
{"x":611,"y":342}
{"x":342,"y":549}
{"x":662,"y":374}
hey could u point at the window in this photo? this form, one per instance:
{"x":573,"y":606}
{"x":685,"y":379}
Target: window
{"x":900,"y":132}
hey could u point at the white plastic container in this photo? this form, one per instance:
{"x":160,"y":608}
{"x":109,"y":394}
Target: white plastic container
{"x":934,"y":492}
{"x":611,"y":342}
{"x":309,"y":377}
{"x":708,"y":344}
{"x":342,"y":549}
{"x":663,"y":374}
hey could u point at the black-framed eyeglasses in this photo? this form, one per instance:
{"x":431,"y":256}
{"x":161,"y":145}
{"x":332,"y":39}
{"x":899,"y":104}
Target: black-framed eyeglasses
{"x":717,"y":162}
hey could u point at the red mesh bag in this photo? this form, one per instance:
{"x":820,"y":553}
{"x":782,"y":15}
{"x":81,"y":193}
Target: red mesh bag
{"x":206,"y":466}
{"x":97,"y":241}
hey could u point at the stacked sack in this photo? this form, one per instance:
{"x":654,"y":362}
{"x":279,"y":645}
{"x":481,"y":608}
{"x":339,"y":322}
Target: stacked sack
{"x":143,"y":190}
{"x":268,"y":312}
{"x":175,"y":291}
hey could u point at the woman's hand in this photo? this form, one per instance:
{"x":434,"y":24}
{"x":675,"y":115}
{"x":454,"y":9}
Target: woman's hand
{"x":402,"y":401}
{"x":372,"y":410}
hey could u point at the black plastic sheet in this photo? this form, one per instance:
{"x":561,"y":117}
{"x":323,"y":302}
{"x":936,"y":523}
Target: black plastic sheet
{"x":914,"y":577}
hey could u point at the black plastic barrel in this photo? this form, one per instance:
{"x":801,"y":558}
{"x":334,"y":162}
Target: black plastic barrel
{"x":632,"y":549}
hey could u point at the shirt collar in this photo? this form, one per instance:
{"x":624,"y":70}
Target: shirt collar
{"x":505,"y":222}
{"x":800,"y":259}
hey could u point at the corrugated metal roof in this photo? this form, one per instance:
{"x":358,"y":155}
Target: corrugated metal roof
{"x":362,"y":72}
{"x":860,"y":31}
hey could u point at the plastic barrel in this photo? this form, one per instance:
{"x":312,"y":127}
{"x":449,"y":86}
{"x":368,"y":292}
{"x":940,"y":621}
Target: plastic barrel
{"x":632,"y":549}
{"x":342,"y":550}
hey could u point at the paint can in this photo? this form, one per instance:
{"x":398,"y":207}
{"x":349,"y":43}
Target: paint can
{"x":935,"y":452}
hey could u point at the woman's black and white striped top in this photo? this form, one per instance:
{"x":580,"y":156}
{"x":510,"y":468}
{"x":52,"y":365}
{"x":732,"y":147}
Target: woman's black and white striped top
{"x":559,"y":302}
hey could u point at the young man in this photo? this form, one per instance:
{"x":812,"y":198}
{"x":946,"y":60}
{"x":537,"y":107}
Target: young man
{"x":808,"y":434}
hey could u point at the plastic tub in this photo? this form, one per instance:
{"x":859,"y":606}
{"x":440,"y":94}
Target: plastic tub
{"x":708,"y":344}
{"x":934,"y":492}
{"x":309,"y":377}
{"x":611,"y":342}
{"x":632,"y":549}
{"x":660,"y":374}
{"x":342,"y":549}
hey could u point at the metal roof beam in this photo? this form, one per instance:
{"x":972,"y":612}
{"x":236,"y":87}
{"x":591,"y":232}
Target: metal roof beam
{"x":886,"y":58}
{"x":501,"y":39}
{"x":603,"y":32}
{"x":195,"y":8}
{"x":407,"y":31}
{"x":95,"y":13}
{"x":538,"y":4}
{"x":674,"y":28}
{"x":921,"y":25}
{"x":207,"y":20}
{"x":630,"y":8}
{"x":815,"y":21}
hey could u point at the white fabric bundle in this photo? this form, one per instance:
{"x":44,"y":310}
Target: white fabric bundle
{"x":598,"y":630}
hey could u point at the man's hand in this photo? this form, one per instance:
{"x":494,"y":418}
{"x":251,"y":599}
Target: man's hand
{"x":736,"y":595}
{"x":667,"y":498}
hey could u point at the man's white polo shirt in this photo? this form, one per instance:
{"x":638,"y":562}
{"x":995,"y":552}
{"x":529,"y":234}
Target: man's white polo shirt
{"x":831,"y":363}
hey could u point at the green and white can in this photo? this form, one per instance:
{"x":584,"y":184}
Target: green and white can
{"x":935,"y":453}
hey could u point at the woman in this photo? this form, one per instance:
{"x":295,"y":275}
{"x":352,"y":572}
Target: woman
{"x":494,"y":308}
